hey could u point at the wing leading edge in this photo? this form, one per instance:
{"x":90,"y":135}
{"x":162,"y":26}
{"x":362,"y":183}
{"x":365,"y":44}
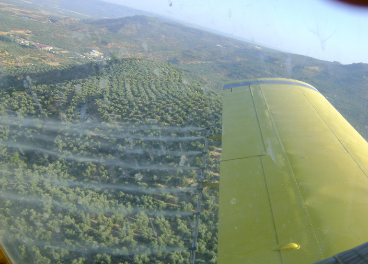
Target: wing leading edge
{"x":294,"y":186}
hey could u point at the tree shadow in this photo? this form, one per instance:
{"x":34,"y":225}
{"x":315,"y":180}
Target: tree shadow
{"x":48,"y":75}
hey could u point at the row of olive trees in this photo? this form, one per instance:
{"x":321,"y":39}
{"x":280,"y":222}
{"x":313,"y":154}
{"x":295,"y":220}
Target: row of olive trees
{"x":72,"y":141}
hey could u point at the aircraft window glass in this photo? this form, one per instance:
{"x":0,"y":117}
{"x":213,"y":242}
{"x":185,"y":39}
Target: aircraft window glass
{"x":106,"y":109}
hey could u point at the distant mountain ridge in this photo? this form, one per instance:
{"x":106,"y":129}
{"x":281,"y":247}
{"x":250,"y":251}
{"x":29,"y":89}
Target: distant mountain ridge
{"x":88,"y":8}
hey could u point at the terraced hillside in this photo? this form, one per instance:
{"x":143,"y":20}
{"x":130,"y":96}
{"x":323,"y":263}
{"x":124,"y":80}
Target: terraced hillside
{"x":99,"y":163}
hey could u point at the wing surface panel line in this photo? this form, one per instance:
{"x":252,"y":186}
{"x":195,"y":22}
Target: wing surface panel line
{"x":264,"y":175}
{"x":245,"y":157}
{"x":269,"y":202}
{"x":291,"y":171}
{"x":334,"y":134}
{"x":255,"y":110}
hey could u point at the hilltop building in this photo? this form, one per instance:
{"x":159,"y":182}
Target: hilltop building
{"x":94,"y":53}
{"x":43,"y":46}
{"x":23,"y":42}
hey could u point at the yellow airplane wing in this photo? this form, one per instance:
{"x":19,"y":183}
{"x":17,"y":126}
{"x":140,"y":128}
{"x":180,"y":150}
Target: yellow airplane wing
{"x":294,"y":186}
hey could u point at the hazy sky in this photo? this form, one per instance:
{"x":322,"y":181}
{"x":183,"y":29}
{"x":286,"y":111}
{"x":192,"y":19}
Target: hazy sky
{"x":320,"y":29}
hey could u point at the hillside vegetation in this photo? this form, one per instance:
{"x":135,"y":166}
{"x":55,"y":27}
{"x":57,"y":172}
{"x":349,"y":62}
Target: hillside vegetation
{"x":99,"y":163}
